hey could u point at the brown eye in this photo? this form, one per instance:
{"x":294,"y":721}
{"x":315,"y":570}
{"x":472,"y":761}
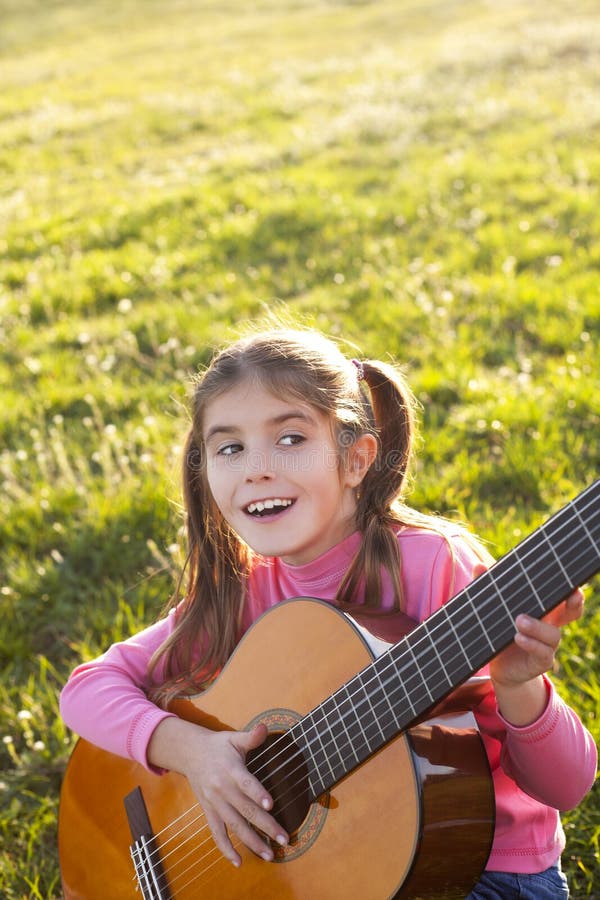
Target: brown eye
{"x":289,"y":440}
{"x":229,"y":449}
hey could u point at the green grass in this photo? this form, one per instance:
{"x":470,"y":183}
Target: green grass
{"x":418,"y":178}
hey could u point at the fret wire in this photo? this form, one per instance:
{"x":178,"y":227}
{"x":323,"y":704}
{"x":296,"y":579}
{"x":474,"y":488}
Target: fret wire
{"x":307,"y":745}
{"x":383,"y":709}
{"x":375,"y":719}
{"x":453,"y":642}
{"x":343,"y":721}
{"x":367,"y":750}
{"x":478,"y":617}
{"x":558,"y":560}
{"x":556,"y":521}
{"x":396,"y":683}
{"x":387,"y":660}
{"x":508,"y":570}
{"x":384,"y":696}
{"x":368,"y":722}
{"x":497,"y":634}
{"x":492,"y":581}
{"x":325,"y":751}
{"x":532,"y":587}
{"x":320,"y":739}
{"x":358,"y":719}
{"x":440,"y":662}
{"x":585,"y":527}
{"x":556,"y":527}
{"x":333,"y":722}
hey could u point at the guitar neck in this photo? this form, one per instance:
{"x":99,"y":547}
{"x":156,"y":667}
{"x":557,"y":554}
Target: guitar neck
{"x":415,"y":674}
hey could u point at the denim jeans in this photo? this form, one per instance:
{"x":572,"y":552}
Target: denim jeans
{"x":548,"y":885}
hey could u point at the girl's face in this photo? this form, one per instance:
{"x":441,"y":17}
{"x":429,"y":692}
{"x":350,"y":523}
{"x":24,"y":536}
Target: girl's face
{"x":274,"y":471}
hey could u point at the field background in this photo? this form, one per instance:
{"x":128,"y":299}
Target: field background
{"x":417,"y":178}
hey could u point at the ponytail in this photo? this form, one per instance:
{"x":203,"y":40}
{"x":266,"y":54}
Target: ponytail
{"x":392,"y":407}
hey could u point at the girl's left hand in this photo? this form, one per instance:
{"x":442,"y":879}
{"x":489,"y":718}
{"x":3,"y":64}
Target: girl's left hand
{"x":535,"y":643}
{"x":515,"y":670}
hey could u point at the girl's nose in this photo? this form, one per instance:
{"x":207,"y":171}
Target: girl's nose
{"x":259,"y":466}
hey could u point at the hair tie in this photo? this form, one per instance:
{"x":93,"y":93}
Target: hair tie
{"x":360,"y":369}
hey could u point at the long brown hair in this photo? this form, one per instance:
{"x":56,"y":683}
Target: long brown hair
{"x":370,"y":397}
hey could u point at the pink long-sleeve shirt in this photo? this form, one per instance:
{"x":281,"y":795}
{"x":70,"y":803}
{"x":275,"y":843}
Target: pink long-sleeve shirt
{"x":537,"y":770}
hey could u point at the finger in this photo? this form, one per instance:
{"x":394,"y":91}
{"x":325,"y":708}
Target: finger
{"x":238,"y":827}
{"x":222,"y":840}
{"x":574,"y":605}
{"x":250,"y":740}
{"x":567,"y":611}
{"x":259,"y":819}
{"x":540,"y":657}
{"x":251,"y":786}
{"x":537,"y":631}
{"x":539,"y":643}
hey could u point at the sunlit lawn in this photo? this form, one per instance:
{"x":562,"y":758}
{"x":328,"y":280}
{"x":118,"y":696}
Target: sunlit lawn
{"x":419,"y":179}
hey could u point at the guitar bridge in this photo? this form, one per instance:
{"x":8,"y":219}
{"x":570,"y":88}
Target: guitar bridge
{"x":149,"y":872}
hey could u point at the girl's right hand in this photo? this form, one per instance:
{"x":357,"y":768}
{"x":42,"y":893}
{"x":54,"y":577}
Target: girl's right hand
{"x":234,"y":802}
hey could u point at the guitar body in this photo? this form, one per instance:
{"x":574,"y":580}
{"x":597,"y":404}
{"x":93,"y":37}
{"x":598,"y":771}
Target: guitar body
{"x":415,"y":820}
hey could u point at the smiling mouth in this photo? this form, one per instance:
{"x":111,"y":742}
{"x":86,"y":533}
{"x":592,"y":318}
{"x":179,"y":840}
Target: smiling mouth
{"x":261,"y":508}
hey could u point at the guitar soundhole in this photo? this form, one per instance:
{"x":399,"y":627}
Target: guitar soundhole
{"x":280,"y":766}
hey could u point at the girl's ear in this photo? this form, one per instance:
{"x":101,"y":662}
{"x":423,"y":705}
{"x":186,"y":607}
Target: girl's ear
{"x":361,"y":456}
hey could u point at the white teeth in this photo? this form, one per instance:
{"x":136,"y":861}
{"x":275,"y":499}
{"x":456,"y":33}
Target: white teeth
{"x":261,"y":505}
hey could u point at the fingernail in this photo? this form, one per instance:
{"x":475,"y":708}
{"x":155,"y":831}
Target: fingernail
{"x":265,"y":804}
{"x":267,"y":856}
{"x":281,"y":840}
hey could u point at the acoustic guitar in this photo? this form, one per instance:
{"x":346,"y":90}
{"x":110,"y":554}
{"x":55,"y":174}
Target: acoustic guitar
{"x":376,"y":770}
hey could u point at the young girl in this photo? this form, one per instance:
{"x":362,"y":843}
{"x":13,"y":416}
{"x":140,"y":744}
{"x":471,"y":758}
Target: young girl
{"x":294,"y":476}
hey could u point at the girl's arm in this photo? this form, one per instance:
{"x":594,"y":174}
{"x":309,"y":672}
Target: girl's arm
{"x":105,"y":700}
{"x":547,"y":750}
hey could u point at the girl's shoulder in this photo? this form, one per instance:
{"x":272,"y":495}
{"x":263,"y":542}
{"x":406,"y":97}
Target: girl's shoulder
{"x":437,"y":561}
{"x":438,"y":536}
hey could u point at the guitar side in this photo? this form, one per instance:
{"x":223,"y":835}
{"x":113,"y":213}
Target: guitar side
{"x":397,"y":825}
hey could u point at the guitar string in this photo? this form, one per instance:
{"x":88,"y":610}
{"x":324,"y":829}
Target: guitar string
{"x":284,"y":807}
{"x":198,"y":862}
{"x":432,"y":632}
{"x":200,"y":830}
{"x":269,"y":753}
{"x":476,"y":595}
{"x":259,"y":773}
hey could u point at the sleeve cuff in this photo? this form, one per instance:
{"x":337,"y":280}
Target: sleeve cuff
{"x":542,"y":726}
{"x":141,"y":731}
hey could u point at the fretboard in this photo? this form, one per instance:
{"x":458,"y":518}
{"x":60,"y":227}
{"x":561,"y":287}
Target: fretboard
{"x":415,"y":674}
